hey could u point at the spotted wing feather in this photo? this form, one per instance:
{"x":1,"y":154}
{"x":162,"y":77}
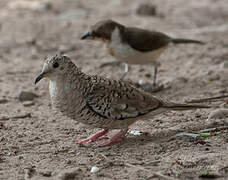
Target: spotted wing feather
{"x":118,"y":100}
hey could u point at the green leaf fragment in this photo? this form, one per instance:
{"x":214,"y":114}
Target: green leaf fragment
{"x":205,"y":135}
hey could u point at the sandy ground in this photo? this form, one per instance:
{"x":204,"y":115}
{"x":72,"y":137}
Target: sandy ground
{"x":37,"y":143}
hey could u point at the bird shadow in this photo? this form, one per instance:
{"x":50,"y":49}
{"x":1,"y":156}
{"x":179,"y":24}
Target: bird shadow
{"x":132,"y":141}
{"x":144,"y":139}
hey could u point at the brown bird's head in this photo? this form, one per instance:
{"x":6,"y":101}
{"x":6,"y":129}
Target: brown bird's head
{"x":102,"y":30}
{"x":55,"y":67}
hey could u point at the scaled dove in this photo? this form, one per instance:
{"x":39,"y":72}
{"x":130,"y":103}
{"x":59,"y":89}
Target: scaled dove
{"x":100,"y":102}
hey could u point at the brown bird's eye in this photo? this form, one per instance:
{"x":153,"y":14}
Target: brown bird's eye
{"x":55,"y":65}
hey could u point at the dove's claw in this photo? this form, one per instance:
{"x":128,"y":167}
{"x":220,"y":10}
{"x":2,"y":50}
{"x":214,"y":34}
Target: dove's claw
{"x":93,"y":138}
{"x":120,"y":136}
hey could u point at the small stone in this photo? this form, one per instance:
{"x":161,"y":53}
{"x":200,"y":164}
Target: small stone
{"x":29,"y":172}
{"x":1,"y":127}
{"x":48,"y":6}
{"x":135,"y":132}
{"x":11,"y":153}
{"x":147,"y":10}
{"x":20,"y":157}
{"x":4,"y":118}
{"x":218,"y":114}
{"x":69,"y":162}
{"x":207,"y":174}
{"x":28,"y":103}
{"x":148,"y":75}
{"x":224,"y":65}
{"x":3,"y":101}
{"x":214,"y":77}
{"x":69,"y":174}
{"x":46,"y":173}
{"x":140,"y":82}
{"x":141,"y":70}
{"x":27,"y":96}
{"x":94,"y":169}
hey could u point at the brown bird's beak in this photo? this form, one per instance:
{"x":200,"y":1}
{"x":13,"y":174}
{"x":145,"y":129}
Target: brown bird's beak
{"x":39,"y":77}
{"x":87,"y":35}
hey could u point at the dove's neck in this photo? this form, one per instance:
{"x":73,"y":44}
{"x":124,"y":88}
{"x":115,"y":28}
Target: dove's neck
{"x":66,"y":91}
{"x":65,"y":84}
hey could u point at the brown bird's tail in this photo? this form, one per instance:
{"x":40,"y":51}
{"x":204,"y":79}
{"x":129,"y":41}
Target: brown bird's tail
{"x":181,"y":107}
{"x":183,"y":41}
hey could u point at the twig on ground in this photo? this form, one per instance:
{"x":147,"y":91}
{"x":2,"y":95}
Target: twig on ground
{"x":159,"y":174}
{"x":4,"y":118}
{"x":21,"y":116}
{"x":137,"y":167}
{"x":113,"y":63}
{"x":214,"y":129}
{"x":216,"y":98}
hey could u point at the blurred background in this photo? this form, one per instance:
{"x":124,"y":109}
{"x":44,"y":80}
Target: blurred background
{"x":31,"y":30}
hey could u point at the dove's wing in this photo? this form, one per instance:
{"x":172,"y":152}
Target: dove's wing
{"x":118,"y":100}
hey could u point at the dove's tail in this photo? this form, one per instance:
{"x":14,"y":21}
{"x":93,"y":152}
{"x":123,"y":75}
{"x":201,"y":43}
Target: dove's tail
{"x":181,"y":107}
{"x":183,"y":41}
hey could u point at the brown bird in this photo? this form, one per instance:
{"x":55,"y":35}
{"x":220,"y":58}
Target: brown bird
{"x":100,"y":102}
{"x":133,"y":45}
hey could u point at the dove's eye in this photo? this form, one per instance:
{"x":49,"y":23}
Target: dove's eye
{"x":55,"y":65}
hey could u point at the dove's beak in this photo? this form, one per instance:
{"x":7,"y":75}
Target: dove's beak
{"x":39,"y":77}
{"x":86,"y":36}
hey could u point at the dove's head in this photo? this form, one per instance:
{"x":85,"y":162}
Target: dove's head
{"x":55,"y":67}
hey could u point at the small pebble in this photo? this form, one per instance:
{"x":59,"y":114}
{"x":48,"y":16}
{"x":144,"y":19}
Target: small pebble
{"x":135,"y":132}
{"x":68,"y":162}
{"x":46,"y":173}
{"x":27,"y":96}
{"x":11,"y":154}
{"x":29,"y":172}
{"x":28,"y":103}
{"x":69,"y":174}
{"x":146,"y":10}
{"x":140,"y":82}
{"x":207,"y":174}
{"x":94,"y":169}
{"x":148,"y":75}
{"x":218,"y":114}
{"x":3,"y":101}
{"x":20,"y":157}
{"x":224,"y":65}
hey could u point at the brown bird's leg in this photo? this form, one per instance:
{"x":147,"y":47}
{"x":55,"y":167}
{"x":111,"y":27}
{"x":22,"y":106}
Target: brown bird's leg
{"x":155,"y":75}
{"x":153,"y":87}
{"x":94,"y":137}
{"x":114,"y":139}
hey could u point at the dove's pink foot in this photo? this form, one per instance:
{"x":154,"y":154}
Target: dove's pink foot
{"x":94,"y":137}
{"x":120,"y":136}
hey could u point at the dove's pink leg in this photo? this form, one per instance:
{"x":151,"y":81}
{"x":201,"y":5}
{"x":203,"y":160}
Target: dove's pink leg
{"x":114,"y":139}
{"x":94,"y":137}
